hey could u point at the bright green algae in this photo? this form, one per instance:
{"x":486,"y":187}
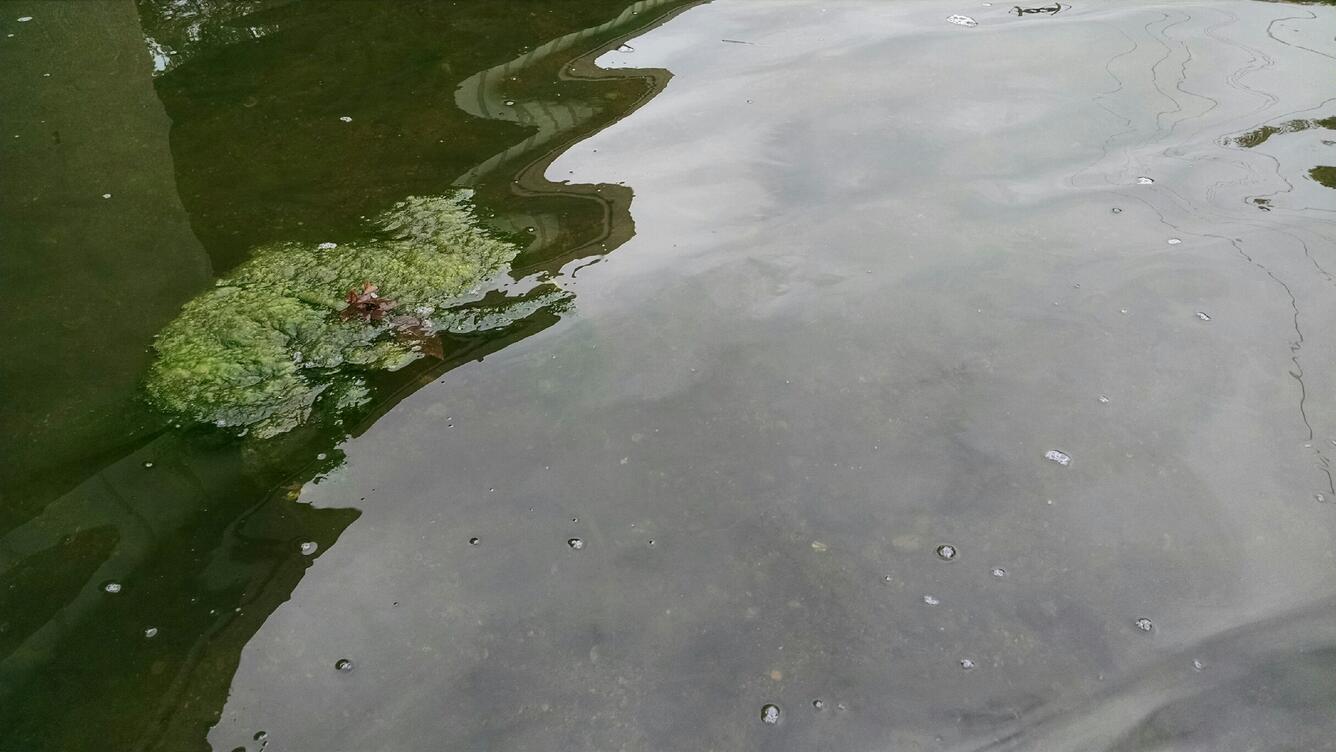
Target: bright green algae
{"x":257,"y":351}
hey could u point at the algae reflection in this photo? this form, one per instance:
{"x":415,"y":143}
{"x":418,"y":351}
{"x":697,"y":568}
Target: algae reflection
{"x":202,"y":535}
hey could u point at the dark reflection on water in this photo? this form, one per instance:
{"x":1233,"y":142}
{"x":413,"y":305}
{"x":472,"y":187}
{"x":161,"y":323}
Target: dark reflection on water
{"x":138,"y":558}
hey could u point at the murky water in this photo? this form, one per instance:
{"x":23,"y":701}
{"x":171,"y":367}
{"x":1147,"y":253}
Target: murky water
{"x":865,"y":379}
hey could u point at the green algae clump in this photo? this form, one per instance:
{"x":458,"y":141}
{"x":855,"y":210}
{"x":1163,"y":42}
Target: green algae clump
{"x":257,"y":351}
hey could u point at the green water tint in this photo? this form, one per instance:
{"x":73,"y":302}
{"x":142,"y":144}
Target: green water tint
{"x":199,"y":529}
{"x":257,"y":351}
{"x":1259,"y":136}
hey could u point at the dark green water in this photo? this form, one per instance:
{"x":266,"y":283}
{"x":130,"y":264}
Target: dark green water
{"x":830,"y":280}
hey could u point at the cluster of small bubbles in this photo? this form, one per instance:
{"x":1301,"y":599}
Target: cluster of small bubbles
{"x":474,"y":541}
{"x":309,"y":547}
{"x":946,"y":552}
{"x":1144,"y":624}
{"x":344,"y":665}
{"x":151,"y":632}
{"x":1203,"y":316}
{"x":966,"y":663}
{"x":575,"y":543}
{"x":999,"y":572}
{"x":1062,"y":458}
{"x":112,"y":587}
{"x":818,"y":704}
{"x":327,"y":246}
{"x":931,"y":600}
{"x":770,"y":714}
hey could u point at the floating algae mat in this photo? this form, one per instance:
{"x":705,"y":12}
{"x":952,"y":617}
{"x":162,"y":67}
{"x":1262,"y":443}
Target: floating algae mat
{"x":299,"y":324}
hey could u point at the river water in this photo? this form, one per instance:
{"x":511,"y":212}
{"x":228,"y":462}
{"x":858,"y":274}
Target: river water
{"x":943,"y":386}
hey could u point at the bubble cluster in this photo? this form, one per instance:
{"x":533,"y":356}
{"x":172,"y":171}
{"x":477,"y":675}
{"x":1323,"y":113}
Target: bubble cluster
{"x":946,"y":552}
{"x":770,"y":714}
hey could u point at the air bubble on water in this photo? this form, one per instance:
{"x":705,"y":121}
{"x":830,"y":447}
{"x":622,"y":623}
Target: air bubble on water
{"x":960,"y":20}
{"x":309,"y":547}
{"x":931,"y":600}
{"x":510,"y":103}
{"x":151,"y":632}
{"x":112,"y":587}
{"x":106,"y":195}
{"x":473,"y":541}
{"x":1144,"y":624}
{"x":770,"y":714}
{"x":819,"y":705}
{"x":999,"y":572}
{"x":946,"y":552}
{"x":344,"y":665}
{"x":1062,"y":458}
{"x":1145,"y":180}
{"x":966,"y":663}
{"x":576,"y":543}
{"x":345,"y":118}
{"x":322,"y":456}
{"x":1203,"y":316}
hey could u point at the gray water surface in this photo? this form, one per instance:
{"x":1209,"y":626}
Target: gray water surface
{"x":883,"y":264}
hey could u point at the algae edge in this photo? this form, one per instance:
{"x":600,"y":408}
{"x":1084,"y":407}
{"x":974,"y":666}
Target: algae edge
{"x":260,"y":350}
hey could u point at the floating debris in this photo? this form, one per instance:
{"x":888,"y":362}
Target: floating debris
{"x":1104,"y":399}
{"x":309,"y":547}
{"x":999,"y":572}
{"x":818,"y":546}
{"x":1145,"y":181}
{"x":1203,"y":316}
{"x":959,"y":20}
{"x":112,"y":587}
{"x":509,"y":103}
{"x":1174,"y":241}
{"x":966,"y":664}
{"x":819,"y":705}
{"x":1320,"y":498}
{"x":346,"y":119}
{"x":1062,"y":458}
{"x":625,"y":48}
{"x":25,"y":19}
{"x":151,"y":632}
{"x":260,"y":736}
{"x":1116,"y":210}
{"x":1197,"y":665}
{"x":327,"y":246}
{"x":931,"y":600}
{"x":770,"y":714}
{"x":474,"y":541}
{"x":946,"y":552}
{"x":344,"y":665}
{"x":576,"y":544}
{"x":1144,"y":624}
{"x":106,"y":195}
{"x":148,"y":465}
{"x":1051,"y":10}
